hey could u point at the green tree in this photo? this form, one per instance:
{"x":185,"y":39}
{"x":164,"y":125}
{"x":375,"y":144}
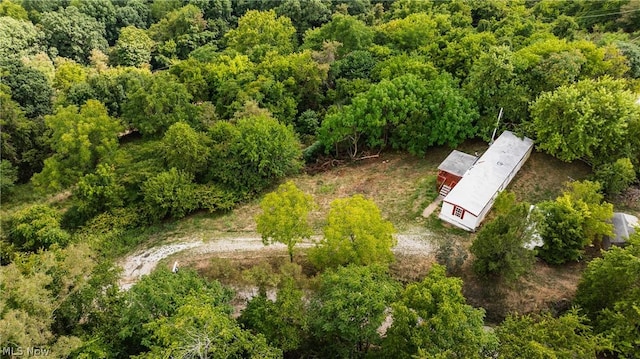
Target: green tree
{"x":29,"y":87}
{"x":302,"y":77}
{"x":355,"y":233}
{"x":18,"y":38}
{"x":494,"y":83}
{"x":609,"y":292}
{"x":544,"y":336}
{"x":36,"y":227}
{"x":352,"y":34}
{"x":179,"y":32}
{"x":133,"y":13}
{"x":133,"y":48}
{"x":68,"y":73}
{"x":36,"y":6}
{"x":414,"y":114}
{"x":499,"y":248}
{"x":199,"y":329}
{"x":113,"y":87}
{"x":587,"y":120}
{"x":8,"y":178}
{"x":186,"y":149}
{"x":160,"y":8}
{"x":283,"y":322}
{"x":215,"y":9}
{"x":154,"y":108}
{"x":21,"y":139}
{"x":284,"y":217}
{"x":305,"y":14}
{"x":73,"y":34}
{"x":432,"y":317}
{"x":416,"y":31}
{"x":169,"y":193}
{"x":161,"y":295}
{"x":598,"y":213}
{"x":260,"y":32}
{"x":33,"y":287}
{"x":399,"y":65}
{"x":253,"y":153}
{"x":99,"y":191}
{"x":617,"y":176}
{"x":356,"y":64}
{"x":13,"y":10}
{"x":81,"y":138}
{"x":104,"y":11}
{"x":632,"y":53}
{"x":575,"y":219}
{"x":445,"y":116}
{"x":348,"y":308}
{"x":460,"y":54}
{"x":561,"y":231}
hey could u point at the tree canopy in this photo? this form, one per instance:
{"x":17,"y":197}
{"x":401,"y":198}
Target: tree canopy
{"x":575,"y":219}
{"x":432,"y":318}
{"x":586,"y":120}
{"x":124,"y":122}
{"x":284,"y":216}
{"x":355,"y":234}
{"x":348,"y":308}
{"x":82,"y":137}
{"x":614,"y":311}
{"x":500,"y":246}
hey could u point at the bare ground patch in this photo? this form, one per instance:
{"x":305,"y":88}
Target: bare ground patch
{"x":546,"y":287}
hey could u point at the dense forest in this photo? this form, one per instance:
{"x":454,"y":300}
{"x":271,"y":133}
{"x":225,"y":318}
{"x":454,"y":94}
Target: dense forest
{"x":120,"y":115}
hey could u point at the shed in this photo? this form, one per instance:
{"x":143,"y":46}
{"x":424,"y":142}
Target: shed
{"x":624,"y":225}
{"x":471,"y":199}
{"x":452,"y":169}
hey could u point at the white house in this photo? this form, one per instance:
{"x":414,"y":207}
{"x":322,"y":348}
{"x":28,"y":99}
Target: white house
{"x":467,"y":204}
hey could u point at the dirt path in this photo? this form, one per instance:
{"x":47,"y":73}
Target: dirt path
{"x":432,"y":207}
{"x":143,"y":262}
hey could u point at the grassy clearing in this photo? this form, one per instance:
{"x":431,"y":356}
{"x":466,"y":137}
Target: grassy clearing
{"x":542,"y":177}
{"x":400,"y":184}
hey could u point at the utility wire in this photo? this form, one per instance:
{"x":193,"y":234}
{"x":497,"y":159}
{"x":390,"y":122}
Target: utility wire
{"x":607,"y":14}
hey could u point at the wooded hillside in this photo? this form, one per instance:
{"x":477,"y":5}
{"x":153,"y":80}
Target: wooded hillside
{"x":122,"y":115}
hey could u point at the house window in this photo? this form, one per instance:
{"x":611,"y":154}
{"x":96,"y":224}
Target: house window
{"x":458,"y":211}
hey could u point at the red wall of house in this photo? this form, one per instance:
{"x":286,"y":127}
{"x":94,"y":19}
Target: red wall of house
{"x":447,"y":179}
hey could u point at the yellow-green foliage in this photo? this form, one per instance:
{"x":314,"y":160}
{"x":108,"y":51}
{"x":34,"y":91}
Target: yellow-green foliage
{"x":355,"y":233}
{"x":284,"y":216}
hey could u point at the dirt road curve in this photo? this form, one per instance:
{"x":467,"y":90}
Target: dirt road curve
{"x":144,"y":261}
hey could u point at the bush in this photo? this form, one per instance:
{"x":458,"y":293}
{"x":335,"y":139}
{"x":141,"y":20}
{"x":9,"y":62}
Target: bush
{"x":499,"y":247}
{"x":8,"y":178}
{"x":214,"y":197}
{"x":36,"y":227}
{"x":251,"y":154}
{"x":170,"y":193}
{"x":617,"y":176}
{"x":312,"y":152}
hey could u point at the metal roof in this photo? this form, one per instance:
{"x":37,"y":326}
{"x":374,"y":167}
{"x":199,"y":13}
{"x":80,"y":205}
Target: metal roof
{"x":457,"y":163}
{"x":623,"y":226}
{"x":485,"y":178}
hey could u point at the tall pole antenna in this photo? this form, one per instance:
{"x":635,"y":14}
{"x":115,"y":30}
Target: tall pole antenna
{"x":493,"y":136}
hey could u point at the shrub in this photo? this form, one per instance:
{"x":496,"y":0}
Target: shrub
{"x":170,"y":193}
{"x":617,"y":176}
{"x":36,"y":227}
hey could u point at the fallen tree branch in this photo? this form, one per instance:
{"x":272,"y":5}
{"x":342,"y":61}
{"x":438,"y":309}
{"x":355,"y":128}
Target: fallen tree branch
{"x":366,"y":157}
